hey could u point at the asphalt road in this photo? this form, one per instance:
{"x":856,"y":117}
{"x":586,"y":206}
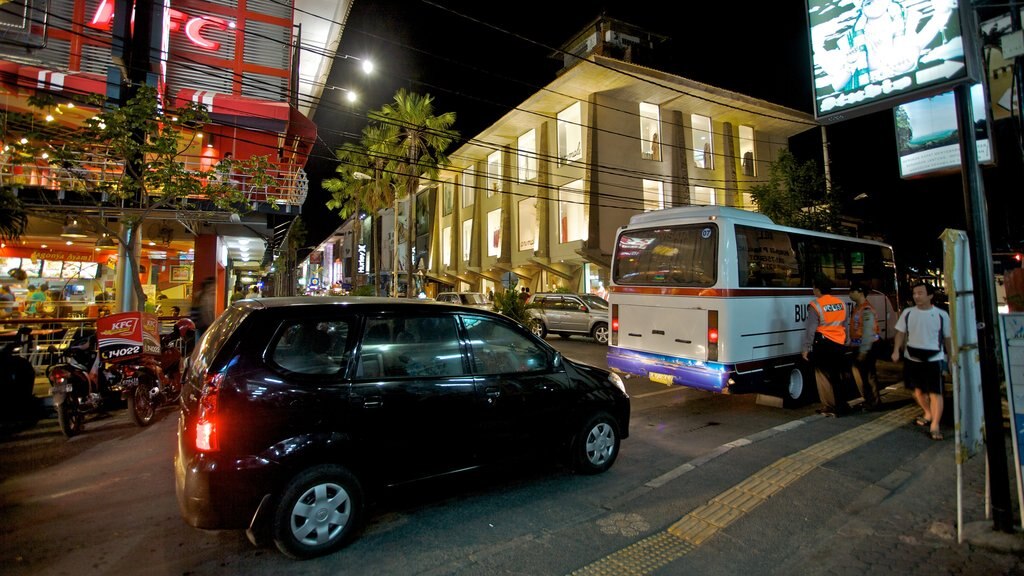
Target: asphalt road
{"x":103,"y":502}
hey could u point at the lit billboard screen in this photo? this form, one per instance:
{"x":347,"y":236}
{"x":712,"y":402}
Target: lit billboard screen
{"x":927,"y":138}
{"x":869,"y":55}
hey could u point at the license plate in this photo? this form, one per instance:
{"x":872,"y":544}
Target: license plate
{"x":61,"y":388}
{"x":660,"y":378}
{"x":129,"y":382}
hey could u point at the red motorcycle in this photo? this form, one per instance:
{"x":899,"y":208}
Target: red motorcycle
{"x":150,"y":382}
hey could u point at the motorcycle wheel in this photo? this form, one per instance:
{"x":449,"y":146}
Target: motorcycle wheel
{"x":69,"y":417}
{"x":141,"y":406}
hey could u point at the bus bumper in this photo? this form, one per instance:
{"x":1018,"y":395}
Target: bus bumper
{"x":710,"y":376}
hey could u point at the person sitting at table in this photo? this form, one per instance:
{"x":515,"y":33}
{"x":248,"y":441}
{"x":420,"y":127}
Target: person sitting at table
{"x":36,"y":295}
{"x":6,"y":301}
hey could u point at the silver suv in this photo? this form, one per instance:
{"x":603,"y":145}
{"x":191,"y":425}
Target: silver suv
{"x":471,"y":299}
{"x":568,"y":314}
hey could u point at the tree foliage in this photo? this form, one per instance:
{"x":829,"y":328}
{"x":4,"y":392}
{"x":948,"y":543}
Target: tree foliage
{"x":143,"y":148}
{"x":796,"y":194}
{"x":403,"y":141}
{"x":13,"y":217}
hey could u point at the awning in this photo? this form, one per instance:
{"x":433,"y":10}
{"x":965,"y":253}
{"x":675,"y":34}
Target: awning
{"x":238,"y":111}
{"x":74,"y":82}
{"x":254,"y":114}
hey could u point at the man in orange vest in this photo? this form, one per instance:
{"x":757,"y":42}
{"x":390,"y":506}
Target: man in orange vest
{"x":825,"y":346}
{"x":863,"y":337}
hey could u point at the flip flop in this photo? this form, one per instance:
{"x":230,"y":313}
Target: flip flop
{"x":921,"y":421}
{"x":936,"y":435}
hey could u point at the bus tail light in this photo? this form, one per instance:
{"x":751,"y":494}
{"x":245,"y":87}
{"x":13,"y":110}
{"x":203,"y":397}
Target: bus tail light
{"x":615,"y":325}
{"x":713,"y":335}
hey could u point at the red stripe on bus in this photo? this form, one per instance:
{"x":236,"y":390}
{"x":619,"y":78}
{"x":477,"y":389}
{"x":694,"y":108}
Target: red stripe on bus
{"x":711,"y":292}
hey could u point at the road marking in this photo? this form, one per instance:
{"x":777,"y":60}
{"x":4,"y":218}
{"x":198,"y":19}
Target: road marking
{"x":696,"y":527}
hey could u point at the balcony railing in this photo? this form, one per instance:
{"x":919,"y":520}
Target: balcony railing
{"x":288,"y":187}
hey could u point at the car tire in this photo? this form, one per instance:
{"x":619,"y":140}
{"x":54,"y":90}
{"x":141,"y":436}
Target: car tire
{"x":600,"y":333}
{"x":596,"y":445}
{"x":538,"y":328}
{"x":318,"y":513}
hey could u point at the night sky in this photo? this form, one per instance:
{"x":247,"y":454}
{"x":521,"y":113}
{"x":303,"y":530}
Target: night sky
{"x":480,"y":59}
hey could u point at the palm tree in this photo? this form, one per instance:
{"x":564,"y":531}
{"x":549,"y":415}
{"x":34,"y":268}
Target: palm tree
{"x":354,"y":190}
{"x":13,"y":218}
{"x":422,"y":139}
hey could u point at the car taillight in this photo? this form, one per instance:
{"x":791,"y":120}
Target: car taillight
{"x":713,"y":335}
{"x":207,"y":432}
{"x":615,"y":325}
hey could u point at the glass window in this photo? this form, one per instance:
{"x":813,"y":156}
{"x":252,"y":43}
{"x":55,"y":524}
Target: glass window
{"x":765,"y":258}
{"x":494,"y":173}
{"x":572,"y":212}
{"x":498,"y":349}
{"x":654,"y":195}
{"x":467,"y":239}
{"x":650,"y":131}
{"x":311,"y":346}
{"x":446,"y":246}
{"x":468,"y":187}
{"x":494,"y":232}
{"x":703,"y":196}
{"x":570,"y":134}
{"x":748,"y":163}
{"x":447,"y":197}
{"x":700,"y":130}
{"x":421,"y":346}
{"x":527,"y":145}
{"x":529,"y":229}
{"x":671,"y":256}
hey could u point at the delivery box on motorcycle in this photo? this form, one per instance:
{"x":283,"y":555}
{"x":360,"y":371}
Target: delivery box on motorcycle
{"x":127,"y":335}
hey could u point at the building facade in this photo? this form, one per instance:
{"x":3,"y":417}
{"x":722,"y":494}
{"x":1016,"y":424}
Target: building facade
{"x":541,"y":193}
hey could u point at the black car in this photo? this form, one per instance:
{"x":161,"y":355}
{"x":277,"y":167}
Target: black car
{"x":294,"y":408}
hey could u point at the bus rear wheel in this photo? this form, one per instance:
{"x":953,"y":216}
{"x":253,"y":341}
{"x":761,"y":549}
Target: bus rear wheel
{"x":798,"y":388}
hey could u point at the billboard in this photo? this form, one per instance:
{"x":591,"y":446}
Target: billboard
{"x":927,"y":138}
{"x":869,"y":55}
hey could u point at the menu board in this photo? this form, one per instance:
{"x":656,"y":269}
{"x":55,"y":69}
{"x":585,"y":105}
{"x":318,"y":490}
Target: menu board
{"x":52,"y":268}
{"x":71,"y":270}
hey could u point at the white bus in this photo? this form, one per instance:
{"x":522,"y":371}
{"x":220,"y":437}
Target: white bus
{"x":716,"y":298}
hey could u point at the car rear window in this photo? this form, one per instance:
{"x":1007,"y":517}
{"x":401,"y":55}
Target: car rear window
{"x":216,"y":337}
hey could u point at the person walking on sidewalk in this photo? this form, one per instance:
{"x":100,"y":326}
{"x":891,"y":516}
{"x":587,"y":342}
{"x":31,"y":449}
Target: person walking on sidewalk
{"x":863,"y":339}
{"x":925,"y":329}
{"x":825,"y":346}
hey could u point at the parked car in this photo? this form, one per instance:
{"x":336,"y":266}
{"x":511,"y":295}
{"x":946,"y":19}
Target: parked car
{"x":471,"y":299}
{"x":568,"y":314}
{"x":294,"y":409}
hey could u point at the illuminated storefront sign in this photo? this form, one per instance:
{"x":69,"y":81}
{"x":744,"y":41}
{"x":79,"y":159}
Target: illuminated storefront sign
{"x":193,"y":27}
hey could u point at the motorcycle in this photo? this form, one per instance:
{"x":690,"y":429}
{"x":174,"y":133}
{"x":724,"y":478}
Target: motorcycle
{"x":82,"y":385}
{"x":151,"y":382}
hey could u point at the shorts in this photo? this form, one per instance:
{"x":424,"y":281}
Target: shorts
{"x":925,"y":376}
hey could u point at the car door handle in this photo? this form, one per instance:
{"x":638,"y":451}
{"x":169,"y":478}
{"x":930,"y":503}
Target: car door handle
{"x":374,"y":401}
{"x":492,"y":391}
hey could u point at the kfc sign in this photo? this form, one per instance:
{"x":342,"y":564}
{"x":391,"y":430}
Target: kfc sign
{"x":193,"y":27}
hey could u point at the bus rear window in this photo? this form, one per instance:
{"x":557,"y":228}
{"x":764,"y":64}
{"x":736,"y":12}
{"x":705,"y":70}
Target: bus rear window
{"x":670,"y":256}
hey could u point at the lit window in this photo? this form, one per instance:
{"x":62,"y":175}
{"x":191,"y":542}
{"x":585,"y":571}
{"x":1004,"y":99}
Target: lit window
{"x":528,"y":156}
{"x":572,"y":212}
{"x":703,"y":196}
{"x":700,"y":129}
{"x":468,"y":187}
{"x":447,"y":196}
{"x":650,"y":128}
{"x":529,"y":230}
{"x":494,"y":232}
{"x":748,"y":160}
{"x":493,"y":173}
{"x":467,"y":239}
{"x":654,"y":195}
{"x":446,"y":246}
{"x":570,"y":134}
